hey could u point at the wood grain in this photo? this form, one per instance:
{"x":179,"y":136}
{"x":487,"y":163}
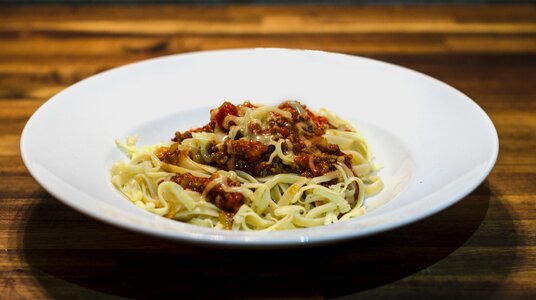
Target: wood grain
{"x":483,"y":247}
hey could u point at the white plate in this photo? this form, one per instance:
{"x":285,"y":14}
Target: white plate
{"x":436,"y":144}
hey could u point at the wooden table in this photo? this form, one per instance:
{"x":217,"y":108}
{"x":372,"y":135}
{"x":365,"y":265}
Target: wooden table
{"x":483,"y":247}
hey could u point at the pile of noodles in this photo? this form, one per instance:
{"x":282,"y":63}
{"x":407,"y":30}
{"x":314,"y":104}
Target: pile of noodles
{"x":277,"y":202}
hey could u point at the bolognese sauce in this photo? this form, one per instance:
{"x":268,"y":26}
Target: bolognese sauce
{"x":298,"y":131}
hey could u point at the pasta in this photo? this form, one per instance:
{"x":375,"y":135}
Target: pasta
{"x":253,"y":167}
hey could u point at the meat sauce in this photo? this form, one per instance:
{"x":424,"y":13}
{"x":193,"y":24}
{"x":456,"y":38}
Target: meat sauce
{"x":312,"y":154}
{"x":217,"y":195}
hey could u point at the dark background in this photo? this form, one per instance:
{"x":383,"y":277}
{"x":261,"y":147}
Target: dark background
{"x":395,"y":2}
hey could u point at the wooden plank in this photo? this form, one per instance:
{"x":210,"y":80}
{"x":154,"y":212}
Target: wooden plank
{"x":268,"y":25}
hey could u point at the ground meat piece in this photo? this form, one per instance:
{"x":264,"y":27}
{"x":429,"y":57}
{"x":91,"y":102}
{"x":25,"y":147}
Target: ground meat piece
{"x":277,"y":166}
{"x":321,"y":122}
{"x":230,"y":202}
{"x":191,"y":182}
{"x":312,"y":165}
{"x":218,"y":154}
{"x":224,"y":200}
{"x":170,"y":155}
{"x":280,"y":125}
{"x":301,"y":165}
{"x":180,"y":136}
{"x":323,"y":163}
{"x":207,"y":128}
{"x":322,"y":144}
{"x":298,"y":110}
{"x":161,"y":152}
{"x":298,"y":145}
{"x":348,"y":160}
{"x":254,"y":128}
{"x":243,"y":149}
{"x":284,"y":132}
